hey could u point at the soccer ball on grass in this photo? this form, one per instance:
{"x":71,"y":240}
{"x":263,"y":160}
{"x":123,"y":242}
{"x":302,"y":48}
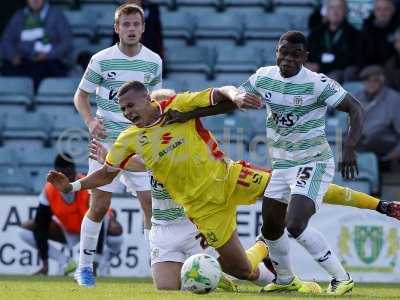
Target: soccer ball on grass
{"x":200,"y":274}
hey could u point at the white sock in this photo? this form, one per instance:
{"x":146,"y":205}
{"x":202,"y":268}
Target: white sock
{"x":53,"y":253}
{"x":266,"y":276}
{"x":89,"y":236}
{"x":279,"y":255}
{"x":114,"y":243}
{"x":314,"y":242}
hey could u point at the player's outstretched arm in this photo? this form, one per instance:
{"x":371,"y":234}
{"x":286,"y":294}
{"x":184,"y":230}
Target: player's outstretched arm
{"x":98,"y":152}
{"x":101,"y":177}
{"x":348,"y":165}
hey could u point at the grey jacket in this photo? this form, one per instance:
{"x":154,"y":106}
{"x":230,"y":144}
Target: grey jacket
{"x":382,"y":118}
{"x":55,"y":25}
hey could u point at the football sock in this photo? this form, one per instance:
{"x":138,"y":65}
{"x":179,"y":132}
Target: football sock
{"x":279,"y":255}
{"x":265,"y":277}
{"x":340,"y":195}
{"x":314,"y":242}
{"x":256,"y":254}
{"x":53,"y":253}
{"x":89,"y":235}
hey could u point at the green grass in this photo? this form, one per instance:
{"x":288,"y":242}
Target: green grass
{"x":61,"y":288}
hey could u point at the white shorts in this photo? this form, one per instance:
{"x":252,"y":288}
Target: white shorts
{"x":175,"y":242}
{"x":311,"y":180}
{"x":133,"y":181}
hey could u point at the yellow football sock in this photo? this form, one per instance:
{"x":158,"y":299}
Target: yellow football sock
{"x":340,"y":195}
{"x":256,"y":254}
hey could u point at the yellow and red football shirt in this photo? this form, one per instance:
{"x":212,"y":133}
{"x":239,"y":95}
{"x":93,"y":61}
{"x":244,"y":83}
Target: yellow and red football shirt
{"x":184,"y":156}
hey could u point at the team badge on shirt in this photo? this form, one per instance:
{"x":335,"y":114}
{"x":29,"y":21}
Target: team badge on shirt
{"x":147,"y":78}
{"x":297,"y":101}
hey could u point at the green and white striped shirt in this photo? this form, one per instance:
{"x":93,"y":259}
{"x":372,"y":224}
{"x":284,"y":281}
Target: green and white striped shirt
{"x":296,"y":112}
{"x":107,"y":71}
{"x":165,"y":210}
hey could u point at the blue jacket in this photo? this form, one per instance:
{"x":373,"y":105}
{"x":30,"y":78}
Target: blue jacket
{"x":56,"y":27}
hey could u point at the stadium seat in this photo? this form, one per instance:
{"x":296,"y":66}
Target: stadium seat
{"x":14,"y":180}
{"x":57,"y":91}
{"x":28,"y":126}
{"x":296,"y":3}
{"x":43,"y":157}
{"x":238,"y":59}
{"x":266,"y":4}
{"x":220,"y":26}
{"x":178,"y":25}
{"x":266,"y":26}
{"x":82,"y":23}
{"x":353,"y":87}
{"x":217,"y":4}
{"x":104,"y":14}
{"x":15,"y":92}
{"x":336,"y":127}
{"x":8,"y":157}
{"x":359,"y":185}
{"x":191,"y":59}
{"x":187,"y":82}
{"x":368,"y":169}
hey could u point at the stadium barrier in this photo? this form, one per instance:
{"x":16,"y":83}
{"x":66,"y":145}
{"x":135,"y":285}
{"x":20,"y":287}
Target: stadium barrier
{"x":366,"y":242}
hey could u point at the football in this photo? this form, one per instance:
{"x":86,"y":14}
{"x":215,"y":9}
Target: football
{"x":200,"y":274}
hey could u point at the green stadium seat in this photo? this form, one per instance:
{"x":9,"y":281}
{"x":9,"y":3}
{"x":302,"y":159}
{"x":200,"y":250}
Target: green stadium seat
{"x":57,"y":91}
{"x":15,"y":91}
{"x":14,"y":180}
{"x":178,"y":25}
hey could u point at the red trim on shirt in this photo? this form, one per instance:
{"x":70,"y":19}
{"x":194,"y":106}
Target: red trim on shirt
{"x":166,"y":102}
{"x":125,"y":161}
{"x":207,"y":138}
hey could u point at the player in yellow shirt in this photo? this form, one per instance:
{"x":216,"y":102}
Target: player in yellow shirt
{"x":187,"y":160}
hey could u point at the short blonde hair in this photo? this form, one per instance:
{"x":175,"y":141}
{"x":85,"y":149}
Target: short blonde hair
{"x":162,"y":94}
{"x":127,"y":9}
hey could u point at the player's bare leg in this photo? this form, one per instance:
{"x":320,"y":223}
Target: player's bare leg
{"x":246,"y":264}
{"x":167,"y":275}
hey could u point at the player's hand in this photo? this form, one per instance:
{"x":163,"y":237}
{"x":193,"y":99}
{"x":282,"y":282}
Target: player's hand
{"x":60,"y":181}
{"x":348,"y":165}
{"x":245,"y":100}
{"x":174,"y":116}
{"x":96,"y":128}
{"x":97,"y":151}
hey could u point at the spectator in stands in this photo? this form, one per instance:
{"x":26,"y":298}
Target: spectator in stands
{"x":381,"y":132}
{"x":59,"y":217}
{"x":36,"y":41}
{"x":358,"y":11}
{"x":152,"y":36}
{"x":392,"y":65}
{"x":334,"y":46}
{"x":378,"y":31}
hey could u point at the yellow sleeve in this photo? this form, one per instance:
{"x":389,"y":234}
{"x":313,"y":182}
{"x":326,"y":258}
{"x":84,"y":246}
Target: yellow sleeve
{"x":122,"y":150}
{"x":185,"y":102}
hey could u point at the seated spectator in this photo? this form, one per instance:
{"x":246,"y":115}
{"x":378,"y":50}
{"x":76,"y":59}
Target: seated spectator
{"x":358,"y":11}
{"x":59,"y":217}
{"x":334,"y":46}
{"x":152,"y":36}
{"x":392,"y":65}
{"x":36,"y":41}
{"x":378,"y":32}
{"x":381,"y":132}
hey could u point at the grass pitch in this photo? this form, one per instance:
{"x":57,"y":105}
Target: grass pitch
{"x":62,"y":288}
